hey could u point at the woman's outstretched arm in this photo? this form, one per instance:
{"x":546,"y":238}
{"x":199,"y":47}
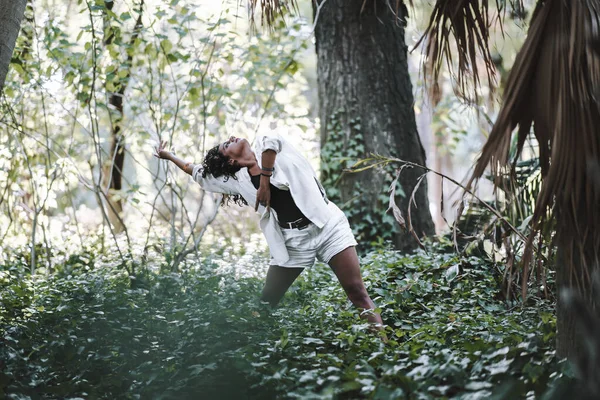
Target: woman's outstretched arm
{"x":208,"y":182}
{"x":162,"y":153}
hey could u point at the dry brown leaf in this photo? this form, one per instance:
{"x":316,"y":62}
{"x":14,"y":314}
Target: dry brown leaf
{"x":465,"y":24}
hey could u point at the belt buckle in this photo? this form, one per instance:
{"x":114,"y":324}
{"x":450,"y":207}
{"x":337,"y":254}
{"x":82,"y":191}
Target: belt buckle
{"x":295,"y":224}
{"x":298,"y":222}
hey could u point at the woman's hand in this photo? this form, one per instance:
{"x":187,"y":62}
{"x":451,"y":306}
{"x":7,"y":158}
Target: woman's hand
{"x":161,"y":152}
{"x":263,"y":196}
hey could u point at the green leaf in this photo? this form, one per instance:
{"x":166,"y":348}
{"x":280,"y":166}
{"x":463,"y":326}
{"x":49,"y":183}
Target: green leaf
{"x":166,"y":46}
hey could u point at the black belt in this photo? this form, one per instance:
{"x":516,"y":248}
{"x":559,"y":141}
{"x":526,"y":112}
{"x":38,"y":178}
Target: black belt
{"x":300,"y":223}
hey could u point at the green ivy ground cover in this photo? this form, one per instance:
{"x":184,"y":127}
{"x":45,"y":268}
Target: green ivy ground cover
{"x":203,"y":333}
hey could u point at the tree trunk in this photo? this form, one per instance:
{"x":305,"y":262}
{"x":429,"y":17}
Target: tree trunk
{"x":114,"y":173}
{"x":366,"y":106}
{"x":11,"y":14}
{"x":572,"y":317}
{"x":566,"y":338}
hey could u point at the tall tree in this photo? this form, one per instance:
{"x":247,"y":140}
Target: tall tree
{"x":11,"y":14}
{"x":366,"y":106}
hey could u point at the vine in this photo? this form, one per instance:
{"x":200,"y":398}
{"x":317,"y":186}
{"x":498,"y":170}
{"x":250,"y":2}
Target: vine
{"x":371,"y":224}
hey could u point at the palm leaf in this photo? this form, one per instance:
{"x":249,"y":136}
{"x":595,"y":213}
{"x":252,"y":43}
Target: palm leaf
{"x":270,"y":10}
{"x":462,"y":27}
{"x":553,"y":88}
{"x":466,"y":24}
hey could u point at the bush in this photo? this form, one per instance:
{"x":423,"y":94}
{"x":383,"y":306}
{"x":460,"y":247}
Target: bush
{"x":204,"y":333}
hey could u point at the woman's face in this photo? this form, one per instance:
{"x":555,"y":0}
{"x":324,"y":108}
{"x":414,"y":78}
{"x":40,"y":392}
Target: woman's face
{"x":234,"y":148}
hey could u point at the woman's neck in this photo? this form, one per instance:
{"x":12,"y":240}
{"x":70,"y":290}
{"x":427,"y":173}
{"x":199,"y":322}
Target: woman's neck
{"x":254,"y":169}
{"x":251,"y":163}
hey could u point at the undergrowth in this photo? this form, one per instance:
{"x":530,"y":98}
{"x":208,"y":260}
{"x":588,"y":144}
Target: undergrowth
{"x":202,"y":333}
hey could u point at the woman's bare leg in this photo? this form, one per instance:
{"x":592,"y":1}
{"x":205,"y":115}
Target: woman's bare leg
{"x":346,"y":267}
{"x":279,"y":279}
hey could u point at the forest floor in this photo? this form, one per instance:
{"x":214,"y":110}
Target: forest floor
{"x":89,"y":331}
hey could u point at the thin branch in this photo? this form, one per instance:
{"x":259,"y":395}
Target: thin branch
{"x":381,"y":160}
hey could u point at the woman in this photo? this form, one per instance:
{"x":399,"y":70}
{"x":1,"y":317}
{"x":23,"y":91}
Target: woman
{"x":298,"y":221}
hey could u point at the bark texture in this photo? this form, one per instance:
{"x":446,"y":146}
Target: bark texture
{"x":577,"y":306}
{"x":365,"y":87}
{"x":11,"y":14}
{"x":568,"y":343}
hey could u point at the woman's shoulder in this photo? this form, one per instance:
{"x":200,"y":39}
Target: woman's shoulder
{"x":269,"y":142}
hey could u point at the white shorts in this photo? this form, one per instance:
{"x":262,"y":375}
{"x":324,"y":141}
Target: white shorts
{"x":306,"y":245}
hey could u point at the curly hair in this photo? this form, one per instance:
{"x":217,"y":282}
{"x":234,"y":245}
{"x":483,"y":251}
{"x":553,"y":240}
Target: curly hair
{"x":217,"y":165}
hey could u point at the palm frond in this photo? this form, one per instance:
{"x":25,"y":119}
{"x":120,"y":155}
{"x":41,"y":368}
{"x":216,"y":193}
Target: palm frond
{"x":269,"y":10}
{"x":468,"y":22}
{"x":553,"y":88}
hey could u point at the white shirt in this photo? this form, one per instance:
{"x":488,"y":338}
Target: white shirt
{"x":292,"y":172}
